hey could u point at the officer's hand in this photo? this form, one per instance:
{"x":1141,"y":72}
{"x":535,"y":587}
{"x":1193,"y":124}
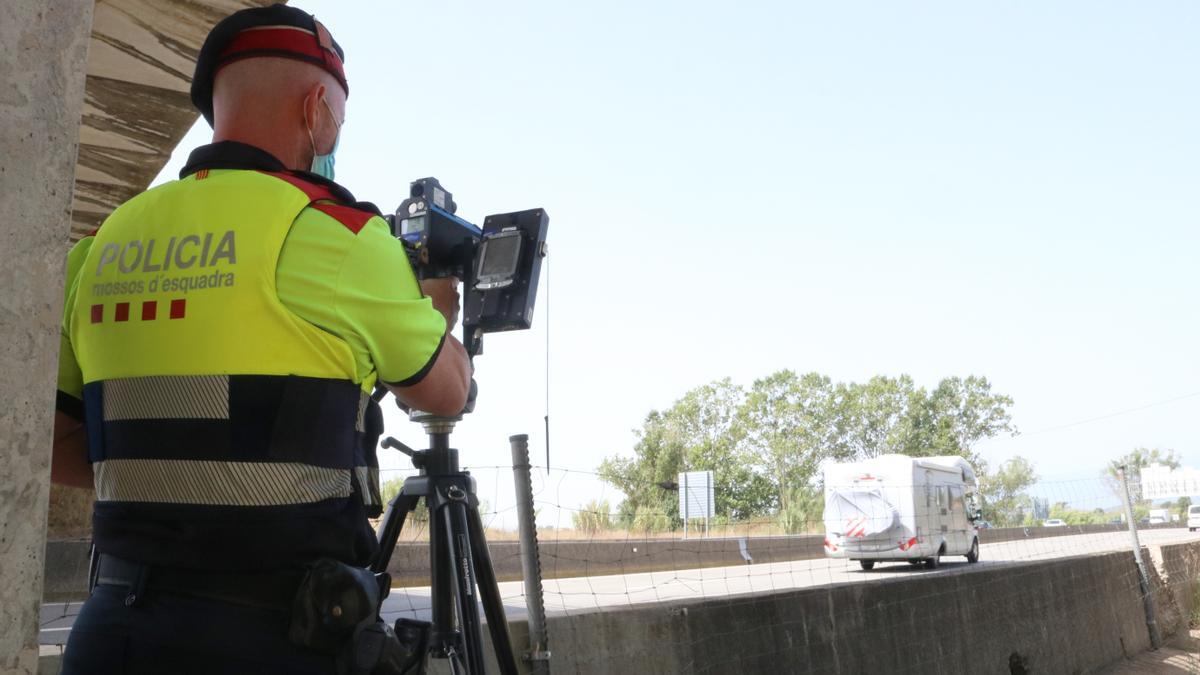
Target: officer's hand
{"x":444,"y":294}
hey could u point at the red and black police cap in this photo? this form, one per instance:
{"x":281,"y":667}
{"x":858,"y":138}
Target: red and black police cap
{"x":278,"y":30}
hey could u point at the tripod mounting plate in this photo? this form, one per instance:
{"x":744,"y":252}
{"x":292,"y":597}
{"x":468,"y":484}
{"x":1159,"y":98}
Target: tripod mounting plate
{"x":434,"y":424}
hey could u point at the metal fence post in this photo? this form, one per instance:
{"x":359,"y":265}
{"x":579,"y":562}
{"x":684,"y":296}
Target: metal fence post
{"x":531,"y":564}
{"x":1143,"y":575}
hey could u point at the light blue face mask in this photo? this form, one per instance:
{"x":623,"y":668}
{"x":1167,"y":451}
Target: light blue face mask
{"x":322,"y":165}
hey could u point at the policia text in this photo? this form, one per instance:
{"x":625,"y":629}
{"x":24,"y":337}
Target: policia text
{"x":180,"y":253}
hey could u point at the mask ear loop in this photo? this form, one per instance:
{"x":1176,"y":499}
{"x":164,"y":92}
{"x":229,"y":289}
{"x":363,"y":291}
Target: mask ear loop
{"x":311,"y":141}
{"x":332,"y":116}
{"x":337,"y":127}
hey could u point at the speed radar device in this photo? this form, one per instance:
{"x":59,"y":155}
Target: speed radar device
{"x":499,"y":264}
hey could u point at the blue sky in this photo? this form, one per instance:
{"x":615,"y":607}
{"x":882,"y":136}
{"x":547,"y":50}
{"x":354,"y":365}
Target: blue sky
{"x":1002,"y":189}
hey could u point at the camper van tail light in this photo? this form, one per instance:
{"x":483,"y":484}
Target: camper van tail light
{"x":830,"y":545}
{"x":905,"y":545}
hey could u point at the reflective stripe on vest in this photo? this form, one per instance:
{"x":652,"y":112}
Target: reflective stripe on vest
{"x":206,"y":389}
{"x":178,"y":481}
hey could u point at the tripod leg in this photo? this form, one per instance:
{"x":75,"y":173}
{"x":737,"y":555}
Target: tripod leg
{"x":489,"y":594}
{"x":464,"y":571}
{"x":443,"y":590}
{"x":393,"y":522}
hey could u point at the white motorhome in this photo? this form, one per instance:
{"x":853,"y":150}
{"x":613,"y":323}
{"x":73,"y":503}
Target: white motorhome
{"x":899,"y":508}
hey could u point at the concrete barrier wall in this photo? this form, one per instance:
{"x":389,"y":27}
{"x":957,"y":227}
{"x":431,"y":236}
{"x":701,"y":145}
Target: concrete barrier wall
{"x":1063,"y":616}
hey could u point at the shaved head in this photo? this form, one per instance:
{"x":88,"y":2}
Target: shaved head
{"x":274,"y":104}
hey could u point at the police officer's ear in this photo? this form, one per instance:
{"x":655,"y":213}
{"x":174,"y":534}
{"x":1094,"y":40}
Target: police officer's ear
{"x":314,"y":110}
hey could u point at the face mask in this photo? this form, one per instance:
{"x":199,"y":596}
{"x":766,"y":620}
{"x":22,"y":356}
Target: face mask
{"x":322,"y":165}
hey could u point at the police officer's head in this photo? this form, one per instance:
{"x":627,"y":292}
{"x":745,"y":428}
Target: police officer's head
{"x":274,"y":77}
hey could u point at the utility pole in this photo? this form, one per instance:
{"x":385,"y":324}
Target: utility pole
{"x":531,"y":564}
{"x":1143,"y":574}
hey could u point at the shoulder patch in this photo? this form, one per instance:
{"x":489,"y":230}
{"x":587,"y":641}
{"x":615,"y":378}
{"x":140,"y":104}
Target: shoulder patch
{"x":352,"y":218}
{"x":314,"y":191}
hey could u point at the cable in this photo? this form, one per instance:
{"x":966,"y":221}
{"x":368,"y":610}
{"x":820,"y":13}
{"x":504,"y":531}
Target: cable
{"x":546,"y":418}
{"x":1107,"y":415}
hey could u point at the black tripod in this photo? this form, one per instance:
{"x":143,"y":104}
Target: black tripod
{"x":459,"y":560}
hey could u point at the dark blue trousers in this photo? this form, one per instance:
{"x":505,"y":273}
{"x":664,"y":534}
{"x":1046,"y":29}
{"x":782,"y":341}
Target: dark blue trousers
{"x":170,"y":634}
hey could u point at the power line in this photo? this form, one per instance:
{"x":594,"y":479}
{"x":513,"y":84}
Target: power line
{"x":1110,"y":415}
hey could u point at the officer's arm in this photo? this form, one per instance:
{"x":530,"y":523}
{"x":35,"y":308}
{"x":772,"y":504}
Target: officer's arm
{"x":444,"y":390}
{"x":374,"y":302}
{"x":69,"y":463}
{"x":69,"y":457}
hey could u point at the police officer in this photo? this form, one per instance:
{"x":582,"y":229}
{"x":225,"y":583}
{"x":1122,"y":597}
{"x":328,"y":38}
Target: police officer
{"x":221,"y":336}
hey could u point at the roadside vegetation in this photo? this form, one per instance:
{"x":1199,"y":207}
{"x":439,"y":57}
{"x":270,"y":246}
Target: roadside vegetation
{"x":765,"y":446}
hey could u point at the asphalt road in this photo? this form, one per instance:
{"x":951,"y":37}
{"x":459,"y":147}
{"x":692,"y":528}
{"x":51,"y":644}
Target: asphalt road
{"x":584,"y":594}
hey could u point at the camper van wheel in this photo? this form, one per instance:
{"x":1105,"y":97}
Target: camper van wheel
{"x":973,"y":554}
{"x":867,"y":565}
{"x":936,"y":561}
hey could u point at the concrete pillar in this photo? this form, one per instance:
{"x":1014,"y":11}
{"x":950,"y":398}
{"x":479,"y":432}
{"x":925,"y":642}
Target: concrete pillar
{"x":43,"y":66}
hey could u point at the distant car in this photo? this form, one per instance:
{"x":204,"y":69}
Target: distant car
{"x":983,"y":525}
{"x":1055,"y":522}
{"x":1193,"y":518}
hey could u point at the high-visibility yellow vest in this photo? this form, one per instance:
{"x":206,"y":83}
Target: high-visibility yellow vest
{"x":208,"y":402}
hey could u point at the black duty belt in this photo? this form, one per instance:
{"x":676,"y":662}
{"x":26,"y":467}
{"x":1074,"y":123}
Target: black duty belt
{"x":265,"y":590}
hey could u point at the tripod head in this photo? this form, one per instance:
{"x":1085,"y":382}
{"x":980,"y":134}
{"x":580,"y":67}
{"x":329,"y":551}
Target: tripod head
{"x":439,"y":458}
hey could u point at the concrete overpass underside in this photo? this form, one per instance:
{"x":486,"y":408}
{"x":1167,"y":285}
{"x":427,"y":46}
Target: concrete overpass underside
{"x":136,"y":105}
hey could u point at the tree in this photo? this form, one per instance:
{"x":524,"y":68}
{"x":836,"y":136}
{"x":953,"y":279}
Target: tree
{"x":788,"y":426}
{"x":593,"y":518}
{"x":388,"y":491}
{"x":804,"y":510}
{"x":699,"y":432}
{"x":960,"y":413}
{"x":876,"y":417}
{"x":1133,"y":462}
{"x":644,"y":478}
{"x":1005,"y":501}
{"x":390,"y":488}
{"x":1182,"y":507}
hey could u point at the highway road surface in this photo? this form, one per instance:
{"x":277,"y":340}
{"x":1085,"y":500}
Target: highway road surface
{"x":584,"y":594}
